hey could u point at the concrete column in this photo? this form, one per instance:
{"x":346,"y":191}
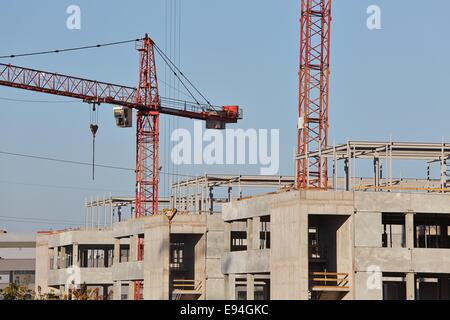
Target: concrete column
{"x":156,"y":269}
{"x":55,"y":258}
{"x":117,"y":290}
{"x":250,"y":234}
{"x":230,"y":287}
{"x":376,"y":171}
{"x":289,"y":263}
{"x":200,"y":263}
{"x":116,"y":251}
{"x":133,"y":248}
{"x":410,"y":286}
{"x":409,"y":229}
{"x":130,"y":290}
{"x":63,"y":257}
{"x":75,"y":255}
{"x":227,"y":237}
{"x":256,"y":233}
{"x":250,"y":286}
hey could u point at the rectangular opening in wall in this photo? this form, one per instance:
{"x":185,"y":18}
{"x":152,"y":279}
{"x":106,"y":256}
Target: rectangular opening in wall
{"x":432,"y":231}
{"x":238,"y":235}
{"x":124,"y":253}
{"x":328,"y":244}
{"x":394,"y":286}
{"x":124,"y":292}
{"x":262,"y":286}
{"x":427,"y":287}
{"x":264,"y":235}
{"x":184,"y":259}
{"x":241,"y":289}
{"x":96,"y":257}
{"x":393,"y":235}
{"x":315,"y":250}
{"x":176,"y":256}
{"x":433,"y":286}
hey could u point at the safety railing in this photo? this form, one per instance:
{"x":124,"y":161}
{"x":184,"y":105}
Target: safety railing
{"x":330,"y":281}
{"x":186,"y":286}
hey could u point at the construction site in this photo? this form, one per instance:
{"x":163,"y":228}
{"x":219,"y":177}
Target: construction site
{"x":323,"y":233}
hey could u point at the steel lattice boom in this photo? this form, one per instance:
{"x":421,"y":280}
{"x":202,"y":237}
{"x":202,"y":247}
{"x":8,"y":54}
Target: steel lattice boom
{"x":314,"y":74}
{"x":102,"y":92}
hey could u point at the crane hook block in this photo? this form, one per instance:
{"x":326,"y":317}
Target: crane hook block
{"x":94,"y":129}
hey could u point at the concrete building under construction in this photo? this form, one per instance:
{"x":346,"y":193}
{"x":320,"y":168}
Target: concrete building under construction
{"x":378,"y":237}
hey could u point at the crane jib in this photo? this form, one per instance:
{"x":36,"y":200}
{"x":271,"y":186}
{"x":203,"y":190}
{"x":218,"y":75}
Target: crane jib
{"x":103,"y":92}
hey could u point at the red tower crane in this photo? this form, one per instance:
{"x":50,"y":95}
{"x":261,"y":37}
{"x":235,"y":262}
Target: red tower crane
{"x":314,"y":74}
{"x":149,"y":105}
{"x":145,"y":99}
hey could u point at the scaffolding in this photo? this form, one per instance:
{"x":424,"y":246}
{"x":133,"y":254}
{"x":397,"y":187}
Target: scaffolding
{"x":197,"y":195}
{"x":102,"y":212}
{"x":387,"y":152}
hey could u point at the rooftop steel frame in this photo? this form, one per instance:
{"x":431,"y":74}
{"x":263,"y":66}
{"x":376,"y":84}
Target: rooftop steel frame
{"x":387,"y":151}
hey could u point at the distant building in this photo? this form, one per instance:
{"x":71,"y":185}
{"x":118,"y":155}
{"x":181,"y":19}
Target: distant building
{"x":17,"y":259}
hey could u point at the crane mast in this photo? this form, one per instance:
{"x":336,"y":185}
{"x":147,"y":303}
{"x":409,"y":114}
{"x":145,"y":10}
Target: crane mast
{"x":314,"y":74}
{"x":147,"y":132}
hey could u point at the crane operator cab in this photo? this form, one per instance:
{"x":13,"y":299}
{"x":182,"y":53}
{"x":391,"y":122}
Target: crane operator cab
{"x":124,"y":117}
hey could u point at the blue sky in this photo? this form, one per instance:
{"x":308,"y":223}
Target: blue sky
{"x":385,"y":83}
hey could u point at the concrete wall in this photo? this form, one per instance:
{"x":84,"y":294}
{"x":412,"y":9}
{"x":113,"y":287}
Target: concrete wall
{"x":215,"y":284}
{"x":91,"y":276}
{"x":156,"y":268}
{"x":42,"y":263}
{"x":126,"y":271}
{"x":345,"y":252}
{"x":289,"y":250}
{"x":251,"y":261}
{"x":287,"y":260}
{"x":402,"y":202}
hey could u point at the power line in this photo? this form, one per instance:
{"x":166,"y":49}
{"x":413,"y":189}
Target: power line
{"x":39,"y":222}
{"x":64,"y":160}
{"x":79,"y":162}
{"x":41,"y":219}
{"x":178,"y":71}
{"x":68,"y":49}
{"x":166,"y":60}
{"x":38,"y":101}
{"x":59,"y":187}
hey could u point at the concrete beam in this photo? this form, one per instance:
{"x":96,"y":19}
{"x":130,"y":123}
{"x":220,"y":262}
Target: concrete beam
{"x":117,"y":290}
